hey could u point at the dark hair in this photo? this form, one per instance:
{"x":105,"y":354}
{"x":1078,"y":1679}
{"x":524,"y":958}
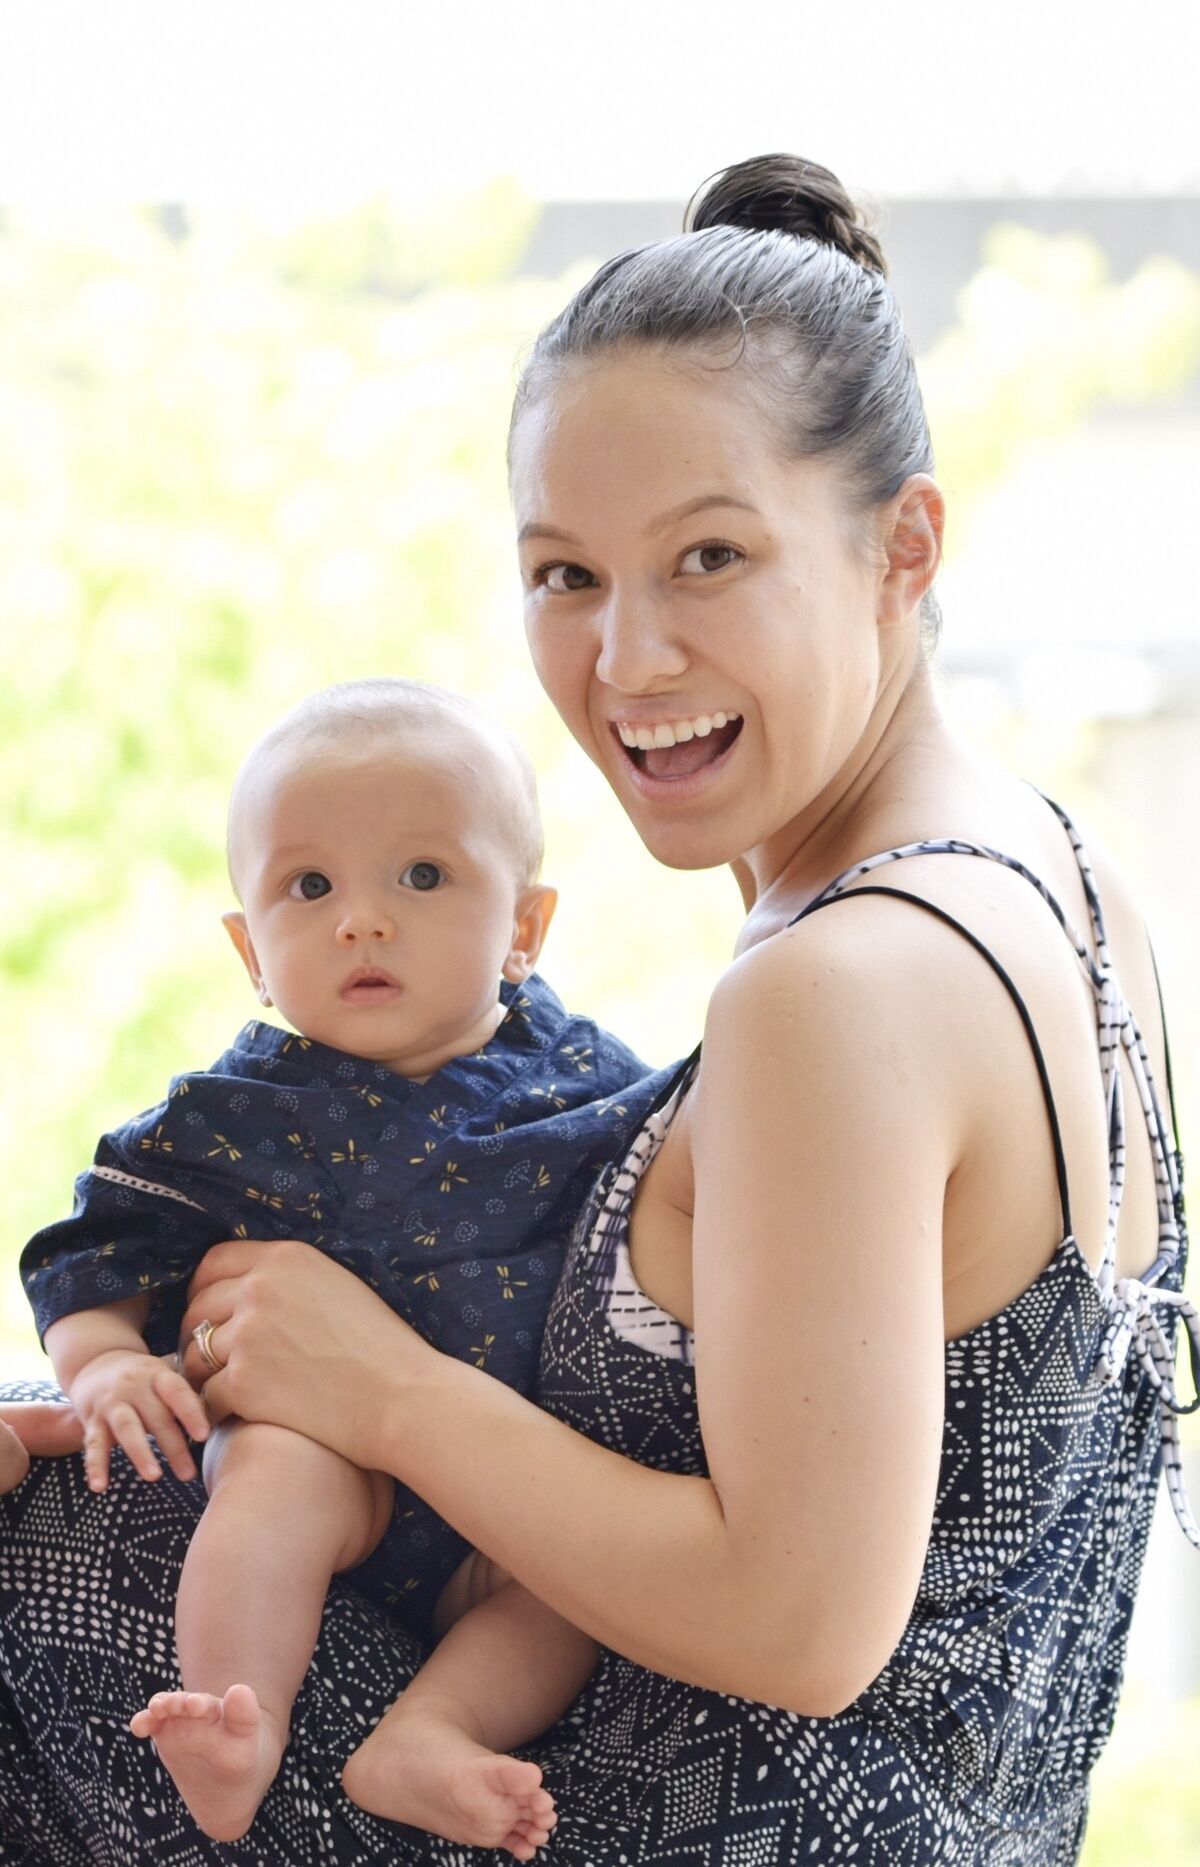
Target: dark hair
{"x":776,"y":258}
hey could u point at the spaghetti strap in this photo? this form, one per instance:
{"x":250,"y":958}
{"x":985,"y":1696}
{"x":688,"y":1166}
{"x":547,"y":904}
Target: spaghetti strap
{"x":1162,"y":1014}
{"x":903,"y":894}
{"x":1083,"y":863}
{"x":1139,"y":1310}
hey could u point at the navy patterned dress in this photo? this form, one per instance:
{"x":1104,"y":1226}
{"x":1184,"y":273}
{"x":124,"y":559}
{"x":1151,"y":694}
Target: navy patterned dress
{"x":971,"y":1749}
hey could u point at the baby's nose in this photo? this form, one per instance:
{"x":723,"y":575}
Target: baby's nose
{"x":365,"y":922}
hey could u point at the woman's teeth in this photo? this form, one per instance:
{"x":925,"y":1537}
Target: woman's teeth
{"x":647,"y":738}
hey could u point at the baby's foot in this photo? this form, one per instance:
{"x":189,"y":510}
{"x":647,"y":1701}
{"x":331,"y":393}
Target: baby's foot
{"x":223,"y":1754}
{"x":433,"y":1776}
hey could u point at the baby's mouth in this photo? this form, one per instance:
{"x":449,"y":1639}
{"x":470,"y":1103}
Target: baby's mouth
{"x":370,"y":985}
{"x":681,"y":747}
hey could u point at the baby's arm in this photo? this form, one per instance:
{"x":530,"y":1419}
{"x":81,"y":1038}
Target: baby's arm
{"x":122,"y":1392}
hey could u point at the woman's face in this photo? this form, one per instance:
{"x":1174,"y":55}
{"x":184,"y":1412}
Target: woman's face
{"x":700,"y":609}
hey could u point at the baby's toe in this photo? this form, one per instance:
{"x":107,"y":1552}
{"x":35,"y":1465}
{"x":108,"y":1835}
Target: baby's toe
{"x":240,"y":1710}
{"x":533,"y":1831}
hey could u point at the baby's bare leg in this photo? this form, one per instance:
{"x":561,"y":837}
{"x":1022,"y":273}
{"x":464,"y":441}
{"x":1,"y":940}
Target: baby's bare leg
{"x":505,"y":1670}
{"x":284,"y":1515}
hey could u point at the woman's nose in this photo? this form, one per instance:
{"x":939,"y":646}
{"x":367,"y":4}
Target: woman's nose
{"x":365,"y":921}
{"x":639,"y":651}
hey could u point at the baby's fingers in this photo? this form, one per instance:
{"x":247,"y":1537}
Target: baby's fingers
{"x":171,"y":1442}
{"x":183,"y":1400}
{"x":130,"y":1434}
{"x":97,"y":1451}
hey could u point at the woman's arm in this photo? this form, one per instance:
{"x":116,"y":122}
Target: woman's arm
{"x":822,"y":1154}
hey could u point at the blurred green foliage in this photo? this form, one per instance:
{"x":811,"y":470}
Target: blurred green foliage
{"x":238,"y":462}
{"x":235,"y":466}
{"x":1043,"y":336}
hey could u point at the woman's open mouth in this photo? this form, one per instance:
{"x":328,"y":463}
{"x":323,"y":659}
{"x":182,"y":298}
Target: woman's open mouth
{"x":671,"y":750}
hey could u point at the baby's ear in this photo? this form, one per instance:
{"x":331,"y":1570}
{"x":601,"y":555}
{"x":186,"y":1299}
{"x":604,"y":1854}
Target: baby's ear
{"x":239,"y":933}
{"x":531,"y":923}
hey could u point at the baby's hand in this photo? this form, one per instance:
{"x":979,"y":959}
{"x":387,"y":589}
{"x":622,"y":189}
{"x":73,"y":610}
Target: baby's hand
{"x":124,"y":1394}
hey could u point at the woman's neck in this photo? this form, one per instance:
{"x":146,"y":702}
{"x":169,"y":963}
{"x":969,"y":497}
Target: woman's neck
{"x":907,"y":756}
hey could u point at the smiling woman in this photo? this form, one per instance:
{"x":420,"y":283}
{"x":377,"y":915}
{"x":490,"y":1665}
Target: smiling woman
{"x":857,"y":1382}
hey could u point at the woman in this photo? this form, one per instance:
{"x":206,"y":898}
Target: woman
{"x":883,"y":1246}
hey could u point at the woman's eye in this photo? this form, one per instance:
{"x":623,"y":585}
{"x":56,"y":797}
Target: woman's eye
{"x":310,"y":886}
{"x":703,"y":560}
{"x":564,"y":579}
{"x":422,"y":876}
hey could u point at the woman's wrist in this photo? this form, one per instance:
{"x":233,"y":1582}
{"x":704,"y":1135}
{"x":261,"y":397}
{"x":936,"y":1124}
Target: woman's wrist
{"x":407,"y":1414}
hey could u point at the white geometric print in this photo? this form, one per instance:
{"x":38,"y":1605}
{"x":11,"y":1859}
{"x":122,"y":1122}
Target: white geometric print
{"x":971,"y":1749}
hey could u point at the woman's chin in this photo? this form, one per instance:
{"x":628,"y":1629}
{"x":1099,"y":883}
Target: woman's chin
{"x":684,"y":846}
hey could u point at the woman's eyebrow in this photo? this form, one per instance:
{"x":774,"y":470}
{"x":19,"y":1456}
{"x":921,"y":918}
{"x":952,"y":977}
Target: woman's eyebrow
{"x":691,"y":506}
{"x":660,"y":524}
{"x":536,"y":530}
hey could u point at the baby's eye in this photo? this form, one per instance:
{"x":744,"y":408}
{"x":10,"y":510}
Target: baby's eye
{"x":707,"y":559}
{"x":563,"y":579}
{"x":310,"y":886}
{"x":422,"y":876}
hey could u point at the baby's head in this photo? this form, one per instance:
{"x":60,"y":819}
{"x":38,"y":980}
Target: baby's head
{"x":384,"y":842}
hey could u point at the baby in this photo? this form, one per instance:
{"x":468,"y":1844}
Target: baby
{"x":435,"y":1123}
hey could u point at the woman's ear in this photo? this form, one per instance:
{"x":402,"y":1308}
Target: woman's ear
{"x":913,"y":524}
{"x":239,"y":933}
{"x":531,"y":923}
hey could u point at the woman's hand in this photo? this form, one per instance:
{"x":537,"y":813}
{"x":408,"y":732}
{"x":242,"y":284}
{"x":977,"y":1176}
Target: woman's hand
{"x":43,"y":1428}
{"x":302,"y":1343}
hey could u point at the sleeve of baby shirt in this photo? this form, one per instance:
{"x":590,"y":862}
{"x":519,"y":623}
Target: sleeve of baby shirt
{"x":134,"y":1232}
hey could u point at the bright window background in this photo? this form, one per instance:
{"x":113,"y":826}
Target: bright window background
{"x":251,"y":442}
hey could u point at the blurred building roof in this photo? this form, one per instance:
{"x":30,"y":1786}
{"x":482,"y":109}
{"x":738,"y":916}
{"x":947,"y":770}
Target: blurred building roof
{"x":933,"y":246}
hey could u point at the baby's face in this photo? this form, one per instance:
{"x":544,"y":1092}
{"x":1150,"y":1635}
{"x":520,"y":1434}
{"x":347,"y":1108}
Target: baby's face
{"x":382,"y":902}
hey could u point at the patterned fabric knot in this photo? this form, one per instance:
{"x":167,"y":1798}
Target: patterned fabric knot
{"x":1135,"y":1328}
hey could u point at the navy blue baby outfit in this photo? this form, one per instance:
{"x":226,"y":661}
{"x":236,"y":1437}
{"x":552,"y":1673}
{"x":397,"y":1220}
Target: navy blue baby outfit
{"x":453,"y":1198}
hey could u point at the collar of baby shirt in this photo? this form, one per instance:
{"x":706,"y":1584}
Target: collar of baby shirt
{"x":534,"y":1023}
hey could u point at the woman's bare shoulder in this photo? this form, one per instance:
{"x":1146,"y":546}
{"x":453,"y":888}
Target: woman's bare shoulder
{"x":842,"y":987}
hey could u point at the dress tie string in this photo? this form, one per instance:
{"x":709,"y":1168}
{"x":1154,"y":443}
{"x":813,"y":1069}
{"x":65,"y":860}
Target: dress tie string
{"x":1132,"y":1302}
{"x":1135,"y":1328}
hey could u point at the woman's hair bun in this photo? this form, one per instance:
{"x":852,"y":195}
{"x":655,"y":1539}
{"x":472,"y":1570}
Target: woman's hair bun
{"x":786,"y":194}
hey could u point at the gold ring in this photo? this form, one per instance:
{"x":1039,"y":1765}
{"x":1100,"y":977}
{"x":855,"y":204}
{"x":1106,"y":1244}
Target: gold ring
{"x":202,"y":1336}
